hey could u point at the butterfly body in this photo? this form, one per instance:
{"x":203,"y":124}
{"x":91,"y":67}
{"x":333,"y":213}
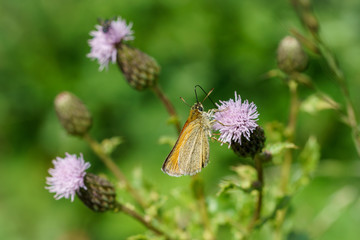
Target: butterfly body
{"x":191,"y":151}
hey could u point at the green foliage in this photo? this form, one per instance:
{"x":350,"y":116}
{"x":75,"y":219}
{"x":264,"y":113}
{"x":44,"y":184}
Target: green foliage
{"x":315,"y":103}
{"x":109,"y":145}
{"x":226,"y":45}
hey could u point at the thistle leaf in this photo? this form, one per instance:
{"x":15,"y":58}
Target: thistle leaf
{"x":315,"y":103}
{"x":110,"y":144}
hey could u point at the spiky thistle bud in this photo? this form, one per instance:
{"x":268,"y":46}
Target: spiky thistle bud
{"x":290,"y":56}
{"x":248,"y":148}
{"x":72,"y":113}
{"x":99,"y":194}
{"x":140,"y":70}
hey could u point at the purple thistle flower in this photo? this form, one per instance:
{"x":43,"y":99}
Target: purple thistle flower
{"x":67,"y":176}
{"x":235,"y":119}
{"x":104,"y":41}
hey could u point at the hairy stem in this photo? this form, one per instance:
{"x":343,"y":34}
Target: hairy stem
{"x":198,"y":189}
{"x":288,"y":157}
{"x":108,"y":161}
{"x":141,"y":219}
{"x":169,"y":107}
{"x":290,"y":133}
{"x":340,"y":79}
{"x":303,"y":12}
{"x":260,"y":179}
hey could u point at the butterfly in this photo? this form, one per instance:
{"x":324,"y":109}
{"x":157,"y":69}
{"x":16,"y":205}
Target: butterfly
{"x":191,"y":151}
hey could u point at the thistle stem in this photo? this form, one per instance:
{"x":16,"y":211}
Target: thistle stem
{"x":260,"y":179}
{"x":288,"y":158}
{"x":198,"y":188}
{"x":330,"y":59}
{"x":290,"y":132}
{"x":141,"y":219}
{"x":169,"y":107}
{"x":340,"y":79}
{"x":109,"y":162}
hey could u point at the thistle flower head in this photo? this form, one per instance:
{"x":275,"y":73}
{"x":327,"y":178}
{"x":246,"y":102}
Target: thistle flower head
{"x":67,"y":176}
{"x":106,"y":38}
{"x":235,"y":119}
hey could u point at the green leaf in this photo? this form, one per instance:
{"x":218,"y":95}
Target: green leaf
{"x":308,"y":159}
{"x":109,"y":145}
{"x":247,"y":175}
{"x":278,"y":148}
{"x":310,"y":156}
{"x":317,"y":102}
{"x":282,"y":203}
{"x":226,"y":186}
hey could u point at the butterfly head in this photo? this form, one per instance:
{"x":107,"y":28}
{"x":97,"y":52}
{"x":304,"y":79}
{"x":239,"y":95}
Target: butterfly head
{"x":197,"y":107}
{"x":196,"y":111}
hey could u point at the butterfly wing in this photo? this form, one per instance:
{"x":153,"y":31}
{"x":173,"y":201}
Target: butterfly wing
{"x":171,"y":164}
{"x":191,"y":151}
{"x":194,"y":154}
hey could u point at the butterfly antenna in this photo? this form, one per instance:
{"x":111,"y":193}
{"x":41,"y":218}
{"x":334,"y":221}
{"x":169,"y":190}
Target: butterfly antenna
{"x":185,"y":101}
{"x":207,"y":94}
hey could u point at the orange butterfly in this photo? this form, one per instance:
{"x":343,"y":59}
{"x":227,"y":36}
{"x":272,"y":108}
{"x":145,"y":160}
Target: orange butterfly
{"x":191,"y":151}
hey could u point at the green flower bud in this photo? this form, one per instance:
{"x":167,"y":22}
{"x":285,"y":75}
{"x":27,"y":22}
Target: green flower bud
{"x":99,"y":194}
{"x":251,"y":147}
{"x":140,"y":70}
{"x":72,"y":113}
{"x":306,"y":13}
{"x":290,"y":56}
{"x":311,"y":22}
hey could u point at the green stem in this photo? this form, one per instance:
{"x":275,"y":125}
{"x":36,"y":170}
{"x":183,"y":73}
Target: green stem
{"x":330,"y":59}
{"x":141,"y":219}
{"x":260,"y":179}
{"x":198,"y":188}
{"x":107,"y":160}
{"x":288,"y":157}
{"x":340,"y":79}
{"x":290,"y":133}
{"x":169,"y":107}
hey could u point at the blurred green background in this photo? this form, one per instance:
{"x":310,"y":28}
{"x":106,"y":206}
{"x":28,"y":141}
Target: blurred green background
{"x":227,"y":45}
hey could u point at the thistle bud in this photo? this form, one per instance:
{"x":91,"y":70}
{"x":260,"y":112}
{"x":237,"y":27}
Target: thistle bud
{"x":140,"y":70}
{"x":248,"y":148}
{"x":99,"y":194}
{"x":307,"y":16}
{"x":311,"y":22}
{"x":72,"y":113}
{"x":290,"y":55}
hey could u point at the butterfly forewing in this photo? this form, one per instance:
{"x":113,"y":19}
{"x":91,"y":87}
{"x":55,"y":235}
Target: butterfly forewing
{"x":195,"y":152}
{"x":171,"y":166}
{"x":191,"y":151}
